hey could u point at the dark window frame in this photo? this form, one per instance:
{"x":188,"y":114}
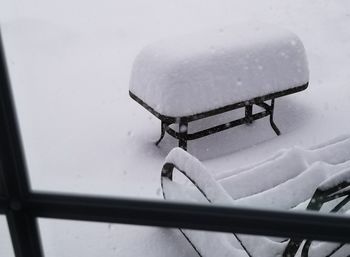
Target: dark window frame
{"x":23,"y":207}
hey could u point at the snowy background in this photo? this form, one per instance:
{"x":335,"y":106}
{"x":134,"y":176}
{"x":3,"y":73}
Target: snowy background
{"x":70,"y":63}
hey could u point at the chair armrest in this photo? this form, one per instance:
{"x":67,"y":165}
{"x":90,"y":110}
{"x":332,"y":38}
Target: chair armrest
{"x":197,"y":173}
{"x":336,"y":182}
{"x":334,"y":187}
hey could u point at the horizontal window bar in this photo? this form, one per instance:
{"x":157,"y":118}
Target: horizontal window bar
{"x":192,"y":216}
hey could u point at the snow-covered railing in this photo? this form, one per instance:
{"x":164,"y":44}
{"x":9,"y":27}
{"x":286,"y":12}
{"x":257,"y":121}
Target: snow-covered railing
{"x":187,"y":78}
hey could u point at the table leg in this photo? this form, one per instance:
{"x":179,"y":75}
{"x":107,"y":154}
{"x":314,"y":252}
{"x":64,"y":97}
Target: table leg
{"x":273,"y":125}
{"x":248,"y":114}
{"x":163,"y":126}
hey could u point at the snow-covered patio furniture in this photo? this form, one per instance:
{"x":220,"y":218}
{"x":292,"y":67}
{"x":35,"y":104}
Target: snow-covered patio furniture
{"x":293,"y":179}
{"x":192,"y":77}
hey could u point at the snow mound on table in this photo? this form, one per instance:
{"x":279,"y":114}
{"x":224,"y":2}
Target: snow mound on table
{"x":200,"y":72}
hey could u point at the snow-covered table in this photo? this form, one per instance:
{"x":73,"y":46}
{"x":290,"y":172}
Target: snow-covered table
{"x":191,"y":77}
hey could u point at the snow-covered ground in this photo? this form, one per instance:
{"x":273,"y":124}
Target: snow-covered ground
{"x":70,"y":63}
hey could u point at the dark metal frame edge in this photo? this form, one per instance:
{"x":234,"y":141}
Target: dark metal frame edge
{"x":183,"y":121}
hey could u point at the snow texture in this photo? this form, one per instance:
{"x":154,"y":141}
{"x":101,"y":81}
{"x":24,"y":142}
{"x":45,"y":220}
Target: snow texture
{"x":200,"y":72}
{"x":83,"y":134}
{"x":282,"y":182}
{"x":293,"y":162}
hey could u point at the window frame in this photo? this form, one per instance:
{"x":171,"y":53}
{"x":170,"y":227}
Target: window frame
{"x":23,"y":207}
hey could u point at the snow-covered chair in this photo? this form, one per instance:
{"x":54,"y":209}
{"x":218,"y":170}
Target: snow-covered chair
{"x":292,"y":179}
{"x":192,"y":77}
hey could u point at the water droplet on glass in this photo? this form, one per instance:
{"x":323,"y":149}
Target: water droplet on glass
{"x":183,"y":128}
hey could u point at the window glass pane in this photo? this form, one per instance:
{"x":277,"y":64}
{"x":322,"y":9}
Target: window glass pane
{"x":70,"y":69}
{"x":70,"y":238}
{"x":5,"y":240}
{"x":83,"y":133}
